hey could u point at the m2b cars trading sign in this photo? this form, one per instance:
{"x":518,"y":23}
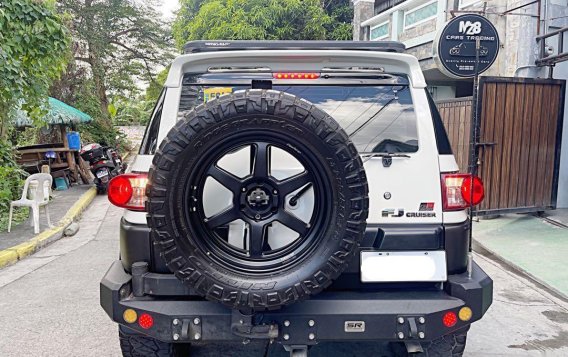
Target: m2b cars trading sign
{"x":456,"y":46}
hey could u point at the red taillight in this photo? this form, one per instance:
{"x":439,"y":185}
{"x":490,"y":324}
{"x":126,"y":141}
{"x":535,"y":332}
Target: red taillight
{"x":295,"y":75}
{"x":128,"y":191}
{"x":459,"y":191}
{"x":450,"y":319}
{"x":146,"y":321}
{"x":472,"y":190}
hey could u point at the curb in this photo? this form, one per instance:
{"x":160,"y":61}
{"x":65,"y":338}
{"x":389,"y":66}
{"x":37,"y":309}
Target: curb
{"x":18,"y":252}
{"x":515,"y":269}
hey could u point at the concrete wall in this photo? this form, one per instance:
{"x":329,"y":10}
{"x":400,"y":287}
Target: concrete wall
{"x":556,"y":11}
{"x":362,"y":10}
{"x":442,"y":92}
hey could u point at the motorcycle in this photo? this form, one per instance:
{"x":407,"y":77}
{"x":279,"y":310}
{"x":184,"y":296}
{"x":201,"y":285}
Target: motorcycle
{"x":105,"y":163}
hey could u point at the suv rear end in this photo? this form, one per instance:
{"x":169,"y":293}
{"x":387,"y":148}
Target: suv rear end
{"x":408,"y":278}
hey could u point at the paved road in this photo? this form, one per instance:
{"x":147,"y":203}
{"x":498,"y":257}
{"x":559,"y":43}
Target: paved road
{"x":49,"y":305}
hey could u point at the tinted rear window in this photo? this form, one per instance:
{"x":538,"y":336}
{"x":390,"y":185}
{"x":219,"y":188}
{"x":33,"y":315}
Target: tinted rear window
{"x":378,"y":118}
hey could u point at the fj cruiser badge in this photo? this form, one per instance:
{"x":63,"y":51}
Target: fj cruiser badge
{"x":354,"y":326}
{"x":424,"y":212}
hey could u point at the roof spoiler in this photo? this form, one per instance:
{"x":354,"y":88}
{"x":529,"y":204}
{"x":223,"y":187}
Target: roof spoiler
{"x":211,"y":46}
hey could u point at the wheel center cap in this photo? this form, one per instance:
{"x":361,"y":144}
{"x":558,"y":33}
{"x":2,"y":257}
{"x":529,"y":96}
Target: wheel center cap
{"x":258,"y":198}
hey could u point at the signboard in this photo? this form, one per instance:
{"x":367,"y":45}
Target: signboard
{"x":456,"y":46}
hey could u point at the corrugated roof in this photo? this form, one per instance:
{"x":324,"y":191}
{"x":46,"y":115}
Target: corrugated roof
{"x":59,"y":113}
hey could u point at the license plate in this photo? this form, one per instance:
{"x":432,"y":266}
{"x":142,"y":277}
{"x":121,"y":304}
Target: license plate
{"x":403,"y":266}
{"x":102,"y":173}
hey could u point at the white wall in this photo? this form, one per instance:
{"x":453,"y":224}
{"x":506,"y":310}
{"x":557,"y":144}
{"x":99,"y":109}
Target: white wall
{"x":561,"y":72}
{"x":442,"y":92}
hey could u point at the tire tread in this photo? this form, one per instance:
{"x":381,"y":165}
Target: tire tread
{"x":211,"y":115}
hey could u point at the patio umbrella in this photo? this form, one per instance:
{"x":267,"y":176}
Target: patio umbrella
{"x":59,"y":114}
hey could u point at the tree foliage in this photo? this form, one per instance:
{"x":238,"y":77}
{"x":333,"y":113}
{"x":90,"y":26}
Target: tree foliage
{"x":122,"y":42}
{"x":263,"y":20}
{"x":341,"y":27}
{"x":155,"y":88}
{"x":33,"y":51}
{"x":251,"y":19}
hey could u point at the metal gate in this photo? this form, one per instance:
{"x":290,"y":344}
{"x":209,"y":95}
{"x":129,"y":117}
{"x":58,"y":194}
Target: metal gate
{"x":456,"y":115}
{"x":518,"y":148}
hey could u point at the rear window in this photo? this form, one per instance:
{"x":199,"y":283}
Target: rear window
{"x":378,"y":118}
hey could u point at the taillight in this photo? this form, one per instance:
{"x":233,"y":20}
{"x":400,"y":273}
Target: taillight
{"x":449,"y":319}
{"x":128,"y":191}
{"x":295,"y":75}
{"x":459,"y":191}
{"x":146,"y":321}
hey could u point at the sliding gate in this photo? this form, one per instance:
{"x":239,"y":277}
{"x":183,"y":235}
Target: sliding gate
{"x":518,"y":147}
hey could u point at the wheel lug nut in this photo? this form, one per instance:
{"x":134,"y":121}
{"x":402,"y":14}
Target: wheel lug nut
{"x":243,"y":189}
{"x":275,"y":192}
{"x":257,"y":216}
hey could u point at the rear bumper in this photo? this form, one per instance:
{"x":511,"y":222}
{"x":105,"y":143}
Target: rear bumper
{"x":336,"y":315}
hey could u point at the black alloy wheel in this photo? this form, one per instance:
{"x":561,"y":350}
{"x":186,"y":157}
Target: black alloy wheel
{"x":259,"y":200}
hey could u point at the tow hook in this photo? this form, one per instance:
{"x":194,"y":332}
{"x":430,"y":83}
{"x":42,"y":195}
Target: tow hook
{"x":409,"y":330}
{"x":242,"y":325}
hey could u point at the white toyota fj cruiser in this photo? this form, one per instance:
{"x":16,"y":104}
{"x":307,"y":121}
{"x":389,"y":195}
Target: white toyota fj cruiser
{"x":296,"y":192}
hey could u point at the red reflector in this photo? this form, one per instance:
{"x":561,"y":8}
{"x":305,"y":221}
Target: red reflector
{"x":146,"y":321}
{"x":295,"y":75}
{"x":472,"y":190}
{"x":450,"y":319}
{"x":457,"y":191}
{"x":128,"y":191}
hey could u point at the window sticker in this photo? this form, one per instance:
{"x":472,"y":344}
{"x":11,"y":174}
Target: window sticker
{"x":215,"y":92}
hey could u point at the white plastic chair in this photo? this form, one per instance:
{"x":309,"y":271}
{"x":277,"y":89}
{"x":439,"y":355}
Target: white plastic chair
{"x":38,"y":198}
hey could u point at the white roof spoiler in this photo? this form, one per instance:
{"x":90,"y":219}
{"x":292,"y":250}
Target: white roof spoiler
{"x":297,"y":60}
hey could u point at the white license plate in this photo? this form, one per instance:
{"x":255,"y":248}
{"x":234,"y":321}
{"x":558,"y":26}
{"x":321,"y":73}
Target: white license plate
{"x":102,"y":173}
{"x":403,"y":266}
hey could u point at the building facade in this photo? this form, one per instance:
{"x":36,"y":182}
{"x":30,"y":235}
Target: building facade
{"x":416,"y":23}
{"x":518,"y":22}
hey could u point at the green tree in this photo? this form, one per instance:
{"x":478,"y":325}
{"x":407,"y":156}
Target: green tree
{"x":121,"y":41}
{"x":341,"y":14}
{"x":251,"y":20}
{"x":155,"y":88}
{"x":33,"y":52}
{"x":263,"y":20}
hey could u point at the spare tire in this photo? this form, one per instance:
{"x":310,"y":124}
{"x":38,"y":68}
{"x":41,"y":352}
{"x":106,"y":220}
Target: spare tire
{"x":297,"y":225}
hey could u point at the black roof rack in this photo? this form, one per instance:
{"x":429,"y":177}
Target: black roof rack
{"x":219,"y":45}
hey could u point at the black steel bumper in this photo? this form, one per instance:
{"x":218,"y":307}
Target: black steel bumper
{"x":401,"y":315}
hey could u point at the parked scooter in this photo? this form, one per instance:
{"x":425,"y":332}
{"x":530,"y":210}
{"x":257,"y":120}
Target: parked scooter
{"x":105,"y":163}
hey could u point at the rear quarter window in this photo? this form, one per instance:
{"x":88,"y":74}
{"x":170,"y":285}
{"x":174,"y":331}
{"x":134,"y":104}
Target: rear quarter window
{"x":150,"y":140}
